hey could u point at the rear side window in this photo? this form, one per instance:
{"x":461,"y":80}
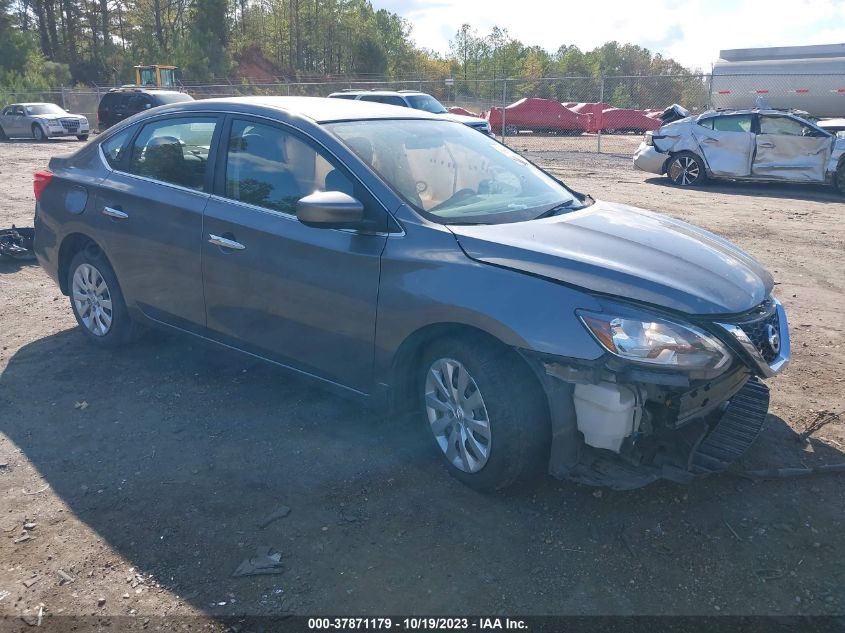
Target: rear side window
{"x":136,"y":103}
{"x":344,"y":96}
{"x":783,"y":126}
{"x":113,"y":148}
{"x":179,"y":97}
{"x":174,"y":151}
{"x":108,"y":101}
{"x":708,"y":123}
{"x":388,"y":99}
{"x":732,"y":123}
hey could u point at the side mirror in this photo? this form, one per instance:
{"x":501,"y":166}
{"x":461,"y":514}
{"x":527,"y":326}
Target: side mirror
{"x":330,"y":210}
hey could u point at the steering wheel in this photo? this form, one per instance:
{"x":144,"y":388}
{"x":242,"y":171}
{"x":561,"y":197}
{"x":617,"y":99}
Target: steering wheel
{"x":460,"y":194}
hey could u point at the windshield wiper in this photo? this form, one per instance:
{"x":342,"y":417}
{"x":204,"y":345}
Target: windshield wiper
{"x":566,"y":206}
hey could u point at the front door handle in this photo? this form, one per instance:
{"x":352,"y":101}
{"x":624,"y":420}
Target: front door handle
{"x":767,"y":145}
{"x":117,"y":214}
{"x":225,"y":243}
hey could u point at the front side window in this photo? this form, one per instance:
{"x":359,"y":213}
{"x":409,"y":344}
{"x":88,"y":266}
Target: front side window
{"x":174,"y":151}
{"x":732,"y":123}
{"x":784,"y":126}
{"x":271,"y":168}
{"x":708,"y":123}
{"x":452,"y":173}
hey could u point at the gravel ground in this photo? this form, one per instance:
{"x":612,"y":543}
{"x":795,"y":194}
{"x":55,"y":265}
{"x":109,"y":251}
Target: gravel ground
{"x":134,"y":482}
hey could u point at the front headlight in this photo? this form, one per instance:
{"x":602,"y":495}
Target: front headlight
{"x":54,"y":123}
{"x":644,"y":338}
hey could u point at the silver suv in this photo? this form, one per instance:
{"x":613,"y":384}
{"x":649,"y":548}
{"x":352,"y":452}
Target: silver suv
{"x":412,"y":99}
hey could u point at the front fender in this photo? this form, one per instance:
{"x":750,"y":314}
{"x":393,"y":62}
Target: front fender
{"x":426,"y":280}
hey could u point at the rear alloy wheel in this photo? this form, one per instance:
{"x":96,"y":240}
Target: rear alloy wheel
{"x":38,"y":133}
{"x":97,"y":301}
{"x":486,"y":412}
{"x":686,"y":169}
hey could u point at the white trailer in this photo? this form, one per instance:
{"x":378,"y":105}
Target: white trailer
{"x":808,"y":78}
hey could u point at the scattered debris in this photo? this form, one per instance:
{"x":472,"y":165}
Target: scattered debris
{"x":64,"y":576}
{"x":785,"y":473}
{"x":29,"y":526}
{"x":16,"y":243}
{"x":4,"y":465}
{"x":29,"y":582}
{"x":40,"y":490}
{"x":3,"y":595}
{"x":81,"y":405}
{"x":733,"y":531}
{"x":263,"y":563}
{"x":822,"y":418}
{"x":101,"y":602}
{"x":279,"y":513}
{"x":23,"y":539}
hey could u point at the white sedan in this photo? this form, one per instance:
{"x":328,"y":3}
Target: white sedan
{"x":41,"y":121}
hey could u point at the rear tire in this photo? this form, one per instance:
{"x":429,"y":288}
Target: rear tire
{"x":486,"y":411}
{"x":97,"y":301}
{"x":3,"y":136}
{"x":685,"y":169}
{"x":38,"y":133}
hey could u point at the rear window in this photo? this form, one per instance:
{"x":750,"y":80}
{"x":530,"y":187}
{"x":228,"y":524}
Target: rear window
{"x":174,"y":97}
{"x":351,"y":97}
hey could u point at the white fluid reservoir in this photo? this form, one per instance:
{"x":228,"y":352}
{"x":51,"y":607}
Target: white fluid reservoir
{"x":606,"y":414}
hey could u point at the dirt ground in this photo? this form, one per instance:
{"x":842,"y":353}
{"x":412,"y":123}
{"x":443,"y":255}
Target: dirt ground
{"x":147,"y":471}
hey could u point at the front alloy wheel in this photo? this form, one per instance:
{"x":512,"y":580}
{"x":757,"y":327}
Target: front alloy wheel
{"x":38,"y":133}
{"x":457,"y":415}
{"x":686,"y":169}
{"x":92,"y":299}
{"x":485,"y":409}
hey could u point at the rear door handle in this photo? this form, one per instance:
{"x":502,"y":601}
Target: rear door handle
{"x":767,"y":145}
{"x":117,"y":214}
{"x":225,"y":243}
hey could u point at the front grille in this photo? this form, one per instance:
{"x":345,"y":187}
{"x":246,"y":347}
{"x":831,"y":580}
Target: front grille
{"x":756,"y":328}
{"x":71,"y":125}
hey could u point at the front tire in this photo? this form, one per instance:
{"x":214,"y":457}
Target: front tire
{"x":685,"y":169}
{"x":3,"y":136}
{"x":82,"y":137}
{"x":486,"y":412}
{"x":38,"y":133}
{"x":839,"y":179}
{"x":97,"y":301}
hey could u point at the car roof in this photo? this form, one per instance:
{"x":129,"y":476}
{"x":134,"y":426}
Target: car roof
{"x":380,"y":92}
{"x":318,"y":109}
{"x":35,"y":103}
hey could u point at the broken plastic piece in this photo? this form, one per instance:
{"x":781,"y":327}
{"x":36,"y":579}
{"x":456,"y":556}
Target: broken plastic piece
{"x":16,"y":243}
{"x":263,"y":563}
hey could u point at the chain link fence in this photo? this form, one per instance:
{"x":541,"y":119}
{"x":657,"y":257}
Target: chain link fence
{"x":556,"y":114}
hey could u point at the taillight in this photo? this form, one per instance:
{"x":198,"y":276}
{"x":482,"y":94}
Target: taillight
{"x":42,"y":179}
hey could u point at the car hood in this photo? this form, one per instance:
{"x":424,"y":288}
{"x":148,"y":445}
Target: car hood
{"x":462,"y":118}
{"x":629,"y":253}
{"x":46,"y":117}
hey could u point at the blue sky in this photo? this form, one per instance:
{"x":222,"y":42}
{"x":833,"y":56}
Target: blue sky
{"x":691,"y":31}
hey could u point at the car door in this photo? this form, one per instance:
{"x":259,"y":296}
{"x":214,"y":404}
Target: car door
{"x":150,"y":213}
{"x":6,"y":119}
{"x":727,"y":143}
{"x":17,"y":122}
{"x":790,"y":149}
{"x":305,"y":297}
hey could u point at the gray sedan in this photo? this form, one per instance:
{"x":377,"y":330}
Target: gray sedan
{"x":41,"y":121}
{"x":412,"y":263}
{"x":759,"y":145}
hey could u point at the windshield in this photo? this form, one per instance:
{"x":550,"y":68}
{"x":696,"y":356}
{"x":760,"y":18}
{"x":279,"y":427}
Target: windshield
{"x":425,"y":102}
{"x":451,"y":173}
{"x":44,"y":108}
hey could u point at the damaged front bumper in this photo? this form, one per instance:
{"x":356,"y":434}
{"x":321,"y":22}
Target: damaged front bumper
{"x":621,"y":425}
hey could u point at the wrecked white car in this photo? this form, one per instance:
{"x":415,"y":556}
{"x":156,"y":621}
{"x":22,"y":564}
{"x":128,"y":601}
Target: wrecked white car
{"x":763,"y":145}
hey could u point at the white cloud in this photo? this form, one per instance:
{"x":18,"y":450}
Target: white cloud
{"x":690,"y":31}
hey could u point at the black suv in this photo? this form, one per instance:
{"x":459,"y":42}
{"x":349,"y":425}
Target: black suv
{"x":121,"y":103}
